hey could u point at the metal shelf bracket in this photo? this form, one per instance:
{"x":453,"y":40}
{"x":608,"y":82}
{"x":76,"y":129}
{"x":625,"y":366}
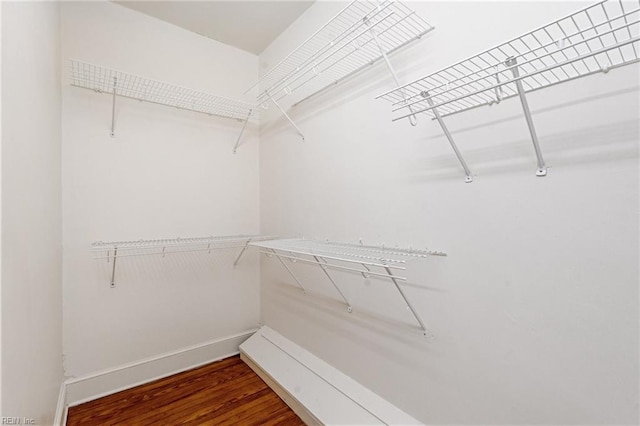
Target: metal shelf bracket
{"x":113,"y":108}
{"x":235,"y":148}
{"x":468,"y":176}
{"x":513,"y":64}
{"x":412,"y":118}
{"x":413,"y":311}
{"x":235,"y":262}
{"x":113,"y":270}
{"x":274,"y":253}
{"x":377,"y":261}
{"x":324,"y":269}
{"x":285,"y":114}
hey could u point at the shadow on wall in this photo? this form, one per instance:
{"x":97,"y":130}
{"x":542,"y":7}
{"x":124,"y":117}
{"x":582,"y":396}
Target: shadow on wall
{"x":554,"y":107}
{"x":329,"y":315}
{"x":361,"y":294}
{"x":593,"y":145}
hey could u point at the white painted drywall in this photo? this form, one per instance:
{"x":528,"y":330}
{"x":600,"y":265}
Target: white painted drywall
{"x":533,"y":316}
{"x":31,"y":211}
{"x":248,"y":25}
{"x":167,"y":174}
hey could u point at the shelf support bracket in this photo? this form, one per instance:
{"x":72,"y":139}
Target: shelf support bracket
{"x":364,"y":274}
{"x":404,"y":296}
{"x":113,"y":109}
{"x":246,"y":246}
{"x":513,"y":64}
{"x":289,"y":270}
{"x":235,"y":148}
{"x":113,"y":268}
{"x":324,"y":269}
{"x":285,"y":114}
{"x":467,"y":172}
{"x":412,"y":117}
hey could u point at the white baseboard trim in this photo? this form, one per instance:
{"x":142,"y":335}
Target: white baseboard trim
{"x":106,"y":382}
{"x":60,"y":418}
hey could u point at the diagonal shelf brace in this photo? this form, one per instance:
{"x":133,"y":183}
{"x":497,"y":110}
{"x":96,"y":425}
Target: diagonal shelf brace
{"x":324,"y":269}
{"x":467,"y":172}
{"x":542,"y":167}
{"x":113,"y":108}
{"x":365,"y":275}
{"x":412,"y":118}
{"x":312,"y":252}
{"x":246,"y":246}
{"x":404,"y":296}
{"x":113,"y":270}
{"x":285,"y":114}
{"x":235,"y":148}
{"x":273,"y":252}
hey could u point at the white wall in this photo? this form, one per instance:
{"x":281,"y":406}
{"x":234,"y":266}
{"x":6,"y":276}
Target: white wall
{"x":533,"y":316}
{"x":31,"y":210}
{"x":166,"y":174}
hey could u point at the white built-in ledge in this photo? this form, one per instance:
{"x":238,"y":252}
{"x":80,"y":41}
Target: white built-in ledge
{"x":319,"y":393}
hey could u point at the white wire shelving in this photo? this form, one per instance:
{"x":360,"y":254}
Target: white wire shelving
{"x":361,"y":34}
{"x":595,"y":39}
{"x":369,"y":261}
{"x":121,"y":84}
{"x":113,"y":250}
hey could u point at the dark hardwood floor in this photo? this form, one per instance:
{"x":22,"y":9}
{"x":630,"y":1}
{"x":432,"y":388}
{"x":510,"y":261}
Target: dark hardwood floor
{"x":226,"y":392}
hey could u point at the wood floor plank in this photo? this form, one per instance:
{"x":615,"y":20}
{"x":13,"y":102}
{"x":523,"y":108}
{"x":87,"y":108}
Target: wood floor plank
{"x":132,"y":397}
{"x":226,"y":392}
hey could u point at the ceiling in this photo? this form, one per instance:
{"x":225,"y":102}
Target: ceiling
{"x":248,"y":25}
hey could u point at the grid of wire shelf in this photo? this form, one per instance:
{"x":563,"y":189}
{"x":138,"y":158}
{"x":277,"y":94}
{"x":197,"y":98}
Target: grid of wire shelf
{"x":105,"y":80}
{"x":369,"y":261}
{"x":380,"y":255}
{"x":595,"y":39}
{"x":111,"y":249}
{"x":342,"y":47}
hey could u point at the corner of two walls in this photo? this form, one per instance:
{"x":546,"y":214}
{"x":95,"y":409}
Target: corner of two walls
{"x":167,"y":173}
{"x":533,"y":316}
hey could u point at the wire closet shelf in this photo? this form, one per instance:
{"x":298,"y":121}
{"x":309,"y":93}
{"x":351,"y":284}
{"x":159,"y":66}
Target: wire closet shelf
{"x":368,"y":261}
{"x":117,"y":83}
{"x":106,"y":80}
{"x":596,"y":39}
{"x":113,"y":250}
{"x":361,"y":34}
